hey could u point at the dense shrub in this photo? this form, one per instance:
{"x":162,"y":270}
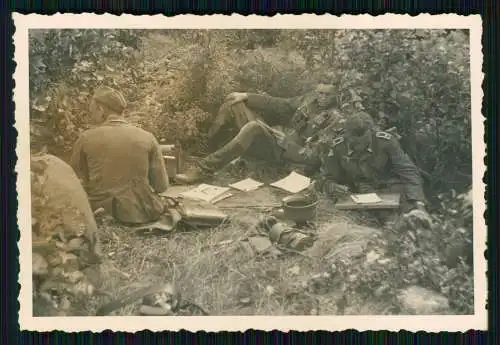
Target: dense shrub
{"x":440,"y":259}
{"x":418,"y":80}
{"x":65,"y":66}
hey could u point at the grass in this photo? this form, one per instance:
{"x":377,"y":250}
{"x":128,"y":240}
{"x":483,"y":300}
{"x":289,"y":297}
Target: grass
{"x":212,"y":268}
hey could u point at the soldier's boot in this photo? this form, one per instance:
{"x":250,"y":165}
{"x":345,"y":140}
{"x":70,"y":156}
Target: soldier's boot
{"x":210,"y":164}
{"x":194,"y":175}
{"x":206,"y":168}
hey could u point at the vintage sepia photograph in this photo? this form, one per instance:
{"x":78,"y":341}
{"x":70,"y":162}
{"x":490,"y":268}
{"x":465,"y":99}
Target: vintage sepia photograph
{"x":250,"y":171}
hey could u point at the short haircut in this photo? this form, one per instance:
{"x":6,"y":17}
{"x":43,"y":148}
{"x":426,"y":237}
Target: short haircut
{"x":358,"y":123}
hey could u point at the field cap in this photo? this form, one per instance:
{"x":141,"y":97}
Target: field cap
{"x":110,"y":98}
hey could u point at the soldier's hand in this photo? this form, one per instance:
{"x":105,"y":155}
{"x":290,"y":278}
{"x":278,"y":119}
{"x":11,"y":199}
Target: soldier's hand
{"x":418,"y":218}
{"x":236,"y":97}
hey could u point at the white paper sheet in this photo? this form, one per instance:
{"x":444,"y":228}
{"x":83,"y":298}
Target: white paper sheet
{"x":293,"y":183}
{"x":246,"y":185}
{"x":369,"y":198}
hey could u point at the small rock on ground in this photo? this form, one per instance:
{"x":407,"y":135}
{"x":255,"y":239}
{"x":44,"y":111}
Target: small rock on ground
{"x":421,"y":301}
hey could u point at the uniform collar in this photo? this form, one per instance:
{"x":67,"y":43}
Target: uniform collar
{"x":115,"y":119}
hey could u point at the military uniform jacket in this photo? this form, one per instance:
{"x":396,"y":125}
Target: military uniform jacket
{"x":383,"y":163}
{"x":122,"y":169}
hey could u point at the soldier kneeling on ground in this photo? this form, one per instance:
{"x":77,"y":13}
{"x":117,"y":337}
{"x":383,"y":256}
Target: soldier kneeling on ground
{"x":366,"y":160}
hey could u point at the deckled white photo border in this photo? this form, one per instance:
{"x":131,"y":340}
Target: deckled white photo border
{"x":242,"y":323}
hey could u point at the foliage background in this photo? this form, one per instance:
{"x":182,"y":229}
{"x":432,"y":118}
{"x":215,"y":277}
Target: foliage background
{"x":175,"y":80}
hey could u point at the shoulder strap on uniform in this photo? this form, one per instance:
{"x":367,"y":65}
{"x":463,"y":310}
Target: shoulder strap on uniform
{"x":383,"y":135}
{"x":337,"y":141}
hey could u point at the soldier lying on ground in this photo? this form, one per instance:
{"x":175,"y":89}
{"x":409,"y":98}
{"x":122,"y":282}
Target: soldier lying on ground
{"x":367,"y":160}
{"x":121,"y":165}
{"x":301,"y":116}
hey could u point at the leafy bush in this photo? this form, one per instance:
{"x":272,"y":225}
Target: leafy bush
{"x":417,"y":80}
{"x":65,"y":66}
{"x":439,"y":259}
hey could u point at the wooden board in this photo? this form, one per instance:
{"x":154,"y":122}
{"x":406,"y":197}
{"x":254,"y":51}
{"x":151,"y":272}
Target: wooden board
{"x":389,"y":201}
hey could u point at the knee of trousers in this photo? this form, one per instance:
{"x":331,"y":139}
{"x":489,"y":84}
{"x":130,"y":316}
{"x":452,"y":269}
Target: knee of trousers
{"x":252,"y":129}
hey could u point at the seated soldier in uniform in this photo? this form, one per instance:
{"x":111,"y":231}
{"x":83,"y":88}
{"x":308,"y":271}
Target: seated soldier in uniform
{"x":121,"y":166}
{"x":256,"y":115}
{"x":366,"y":160}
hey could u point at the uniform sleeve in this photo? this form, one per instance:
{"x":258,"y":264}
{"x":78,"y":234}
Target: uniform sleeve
{"x":404,"y":168}
{"x":279,"y":107}
{"x":78,"y":161}
{"x":158,"y":177}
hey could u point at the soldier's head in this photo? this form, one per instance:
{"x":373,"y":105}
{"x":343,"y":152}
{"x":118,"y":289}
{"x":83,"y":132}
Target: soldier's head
{"x":325,"y":94}
{"x":358,"y":130}
{"x":106,"y":101}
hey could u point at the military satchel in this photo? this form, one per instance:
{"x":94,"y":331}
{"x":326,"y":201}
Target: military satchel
{"x":200,"y":214}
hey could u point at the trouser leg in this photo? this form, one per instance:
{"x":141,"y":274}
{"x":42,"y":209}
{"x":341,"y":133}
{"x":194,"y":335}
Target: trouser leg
{"x":241,"y":114}
{"x":263,"y":144}
{"x":251,"y":133}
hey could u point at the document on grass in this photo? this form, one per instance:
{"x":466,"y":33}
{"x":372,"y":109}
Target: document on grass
{"x":246,"y":185}
{"x":293,"y":183}
{"x":208,"y":193}
{"x":369,"y":198}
